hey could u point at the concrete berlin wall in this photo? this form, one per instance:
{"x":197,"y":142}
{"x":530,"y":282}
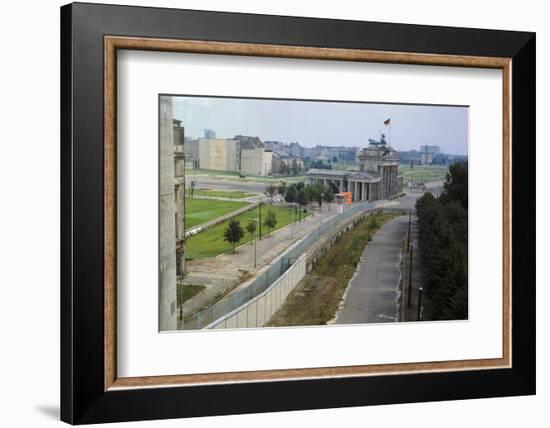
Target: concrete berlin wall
{"x":259,"y":310}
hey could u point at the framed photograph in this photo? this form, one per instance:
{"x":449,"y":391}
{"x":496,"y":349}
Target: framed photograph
{"x":266,"y":213}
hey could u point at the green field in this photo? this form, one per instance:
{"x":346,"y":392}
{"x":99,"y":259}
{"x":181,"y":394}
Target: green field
{"x":210,"y":243}
{"x":422,"y":173}
{"x":198,"y":211}
{"x":237,"y":194}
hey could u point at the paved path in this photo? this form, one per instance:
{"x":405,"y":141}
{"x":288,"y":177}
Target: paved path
{"x":373,"y":293}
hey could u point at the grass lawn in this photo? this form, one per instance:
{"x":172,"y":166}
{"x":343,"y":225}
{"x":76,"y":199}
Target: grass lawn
{"x":223,"y":194}
{"x":316,"y":298}
{"x":210,"y":243}
{"x":186,"y":291}
{"x":198,"y":211}
{"x":423,"y":173}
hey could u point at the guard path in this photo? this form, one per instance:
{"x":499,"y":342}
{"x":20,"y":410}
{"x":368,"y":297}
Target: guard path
{"x":373,"y":294}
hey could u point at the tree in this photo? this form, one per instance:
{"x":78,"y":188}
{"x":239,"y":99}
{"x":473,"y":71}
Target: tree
{"x":284,"y":168}
{"x":233,"y":233}
{"x":316,"y":192}
{"x":295,"y":169}
{"x":270,"y":220}
{"x":291,"y":193}
{"x":328,"y":195}
{"x":282,"y":188}
{"x":456,"y":184}
{"x":251,"y":228}
{"x":319,"y":164}
{"x":334,"y":187}
{"x":443,"y":241}
{"x":270,"y":191}
{"x":302,"y":198}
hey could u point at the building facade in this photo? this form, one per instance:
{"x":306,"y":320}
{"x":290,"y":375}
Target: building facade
{"x":179,"y":195}
{"x":209,"y":134}
{"x":283,"y":160}
{"x":168,"y":217}
{"x":219,"y":154}
{"x":256,"y":161}
{"x":434,"y":150}
{"x":376,"y":179}
{"x":191,"y":148}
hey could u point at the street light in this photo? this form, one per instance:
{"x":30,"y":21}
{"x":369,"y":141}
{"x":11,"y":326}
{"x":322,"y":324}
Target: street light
{"x":255,"y":221}
{"x":260,"y":209}
{"x":321,"y":216}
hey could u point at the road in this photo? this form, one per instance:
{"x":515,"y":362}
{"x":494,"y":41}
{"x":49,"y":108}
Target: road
{"x":373,"y":294}
{"x":205,"y":182}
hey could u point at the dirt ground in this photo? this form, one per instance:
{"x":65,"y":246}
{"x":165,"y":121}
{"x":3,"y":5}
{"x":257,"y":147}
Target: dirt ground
{"x":310,"y":303}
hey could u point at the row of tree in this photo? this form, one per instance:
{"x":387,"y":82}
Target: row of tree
{"x":299,"y":193}
{"x":234,"y":232}
{"x":303,"y":194}
{"x":443,"y":242}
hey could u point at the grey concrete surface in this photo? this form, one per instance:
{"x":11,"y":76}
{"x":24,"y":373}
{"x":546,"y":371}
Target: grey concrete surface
{"x":221,"y":183}
{"x":373,"y":294}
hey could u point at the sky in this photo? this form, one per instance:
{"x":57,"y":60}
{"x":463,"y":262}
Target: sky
{"x":326,"y":123}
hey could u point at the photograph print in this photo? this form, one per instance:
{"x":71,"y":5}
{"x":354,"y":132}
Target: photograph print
{"x":289,"y":213}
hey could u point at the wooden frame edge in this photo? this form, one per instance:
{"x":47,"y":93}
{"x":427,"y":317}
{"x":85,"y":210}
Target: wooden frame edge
{"x":507,"y":212}
{"x":109,"y":197}
{"x":112,"y":43}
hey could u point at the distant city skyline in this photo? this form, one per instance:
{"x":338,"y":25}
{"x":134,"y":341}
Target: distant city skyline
{"x":326,"y":123}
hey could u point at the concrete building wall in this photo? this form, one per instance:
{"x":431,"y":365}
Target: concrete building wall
{"x":426,"y":158}
{"x":256,"y":162}
{"x":276,"y":165}
{"x":191,"y":149}
{"x":167,"y":224}
{"x":268,"y":162}
{"x":252,"y":162}
{"x":430,"y":149}
{"x":219,"y":154}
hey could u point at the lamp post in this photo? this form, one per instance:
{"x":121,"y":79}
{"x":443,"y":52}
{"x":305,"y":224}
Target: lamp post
{"x":410,"y":275}
{"x":260,"y":209}
{"x":321,"y":216}
{"x":419,"y":307}
{"x":255,"y":221}
{"x":409,"y":232}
